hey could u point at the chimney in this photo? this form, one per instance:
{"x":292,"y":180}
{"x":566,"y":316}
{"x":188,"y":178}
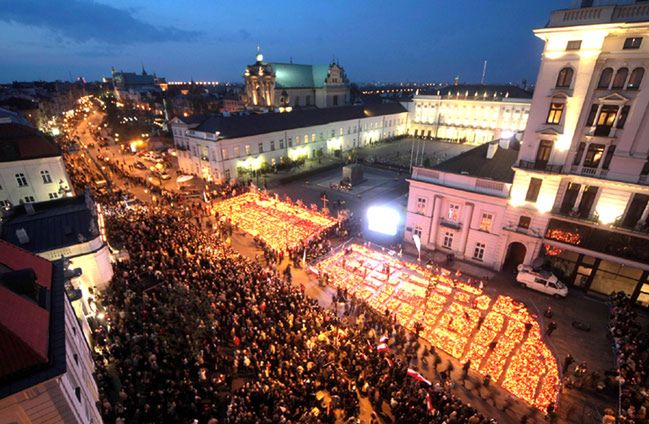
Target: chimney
{"x":492,"y":147}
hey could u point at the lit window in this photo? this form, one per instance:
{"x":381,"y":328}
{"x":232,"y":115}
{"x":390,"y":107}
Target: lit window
{"x":554,"y":115}
{"x":573,"y":45}
{"x":486,"y":221}
{"x":237,"y":151}
{"x":247,"y":149}
{"x":224,"y":152}
{"x":478,"y":252}
{"x":453,"y":213}
{"x":632,"y":43}
{"x":594,"y":155}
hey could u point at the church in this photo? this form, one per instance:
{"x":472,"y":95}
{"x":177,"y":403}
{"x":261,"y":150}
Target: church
{"x":275,"y":85}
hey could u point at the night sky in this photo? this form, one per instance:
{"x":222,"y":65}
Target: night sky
{"x":375,"y":40}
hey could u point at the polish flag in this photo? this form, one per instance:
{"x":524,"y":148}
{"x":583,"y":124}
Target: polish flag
{"x":384,"y":339}
{"x":429,"y":404}
{"x":414,"y":374}
{"x":390,"y":363}
{"x":381,"y":347}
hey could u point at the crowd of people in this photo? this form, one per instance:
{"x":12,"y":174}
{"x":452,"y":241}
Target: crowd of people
{"x":195,"y":330}
{"x":632,"y":347}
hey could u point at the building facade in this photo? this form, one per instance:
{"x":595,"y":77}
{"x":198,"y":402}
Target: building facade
{"x":459,"y":206}
{"x":46,"y":365}
{"x":31,"y":167}
{"x":223,"y":148}
{"x":474,"y":114}
{"x":274,"y":85}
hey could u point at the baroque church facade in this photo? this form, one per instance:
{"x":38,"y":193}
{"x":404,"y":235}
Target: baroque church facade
{"x":275,"y":85}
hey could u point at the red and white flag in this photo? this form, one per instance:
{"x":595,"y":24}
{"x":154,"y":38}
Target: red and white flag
{"x":414,"y":374}
{"x":390,"y":363}
{"x":429,"y":404}
{"x":382,"y":347}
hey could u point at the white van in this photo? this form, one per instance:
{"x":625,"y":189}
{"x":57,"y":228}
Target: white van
{"x":544,"y":282}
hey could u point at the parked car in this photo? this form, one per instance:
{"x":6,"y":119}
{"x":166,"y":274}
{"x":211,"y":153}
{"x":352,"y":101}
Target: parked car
{"x":140,"y":165}
{"x":542,"y":281}
{"x":162,"y":175}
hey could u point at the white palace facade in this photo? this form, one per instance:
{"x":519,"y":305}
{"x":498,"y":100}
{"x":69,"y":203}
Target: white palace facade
{"x":579,"y":198}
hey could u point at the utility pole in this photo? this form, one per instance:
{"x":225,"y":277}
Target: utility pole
{"x":484,"y":73}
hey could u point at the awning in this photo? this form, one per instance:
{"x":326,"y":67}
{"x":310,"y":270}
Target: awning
{"x":184,"y":178}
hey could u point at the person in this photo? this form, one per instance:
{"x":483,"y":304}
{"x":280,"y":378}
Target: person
{"x":567,"y":362}
{"x":551,"y":327}
{"x":548,"y":312}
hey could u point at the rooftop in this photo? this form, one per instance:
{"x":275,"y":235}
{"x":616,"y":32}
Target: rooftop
{"x":479,"y":92}
{"x":32,"y":336}
{"x":53,"y":225}
{"x":246,"y":125}
{"x":20,"y":142}
{"x":601,"y":12}
{"x":475,"y":163}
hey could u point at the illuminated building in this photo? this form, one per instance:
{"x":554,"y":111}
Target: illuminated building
{"x":70,"y":228}
{"x":469,"y":113}
{"x":31,"y":167}
{"x":271,"y":85}
{"x":459,"y":206}
{"x":581,"y":176}
{"x":227,"y":147}
{"x":130,"y":85}
{"x":46,"y":365}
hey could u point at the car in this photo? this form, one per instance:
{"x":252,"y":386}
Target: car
{"x":132,"y":202}
{"x":140,"y":165}
{"x":541,"y":281}
{"x":161,"y":174}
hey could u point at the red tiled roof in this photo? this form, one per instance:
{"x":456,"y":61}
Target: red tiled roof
{"x":19,"y":142}
{"x":24,"y":325}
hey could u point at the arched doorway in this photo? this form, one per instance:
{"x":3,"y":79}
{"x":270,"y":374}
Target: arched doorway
{"x":515,"y":256}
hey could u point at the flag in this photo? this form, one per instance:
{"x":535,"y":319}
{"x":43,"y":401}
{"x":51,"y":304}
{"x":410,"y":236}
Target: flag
{"x":414,"y":374}
{"x":304,"y":256}
{"x":381,"y":347}
{"x":429,"y":404}
{"x":384,"y":339}
{"x":417,"y":240}
{"x":390,"y":363}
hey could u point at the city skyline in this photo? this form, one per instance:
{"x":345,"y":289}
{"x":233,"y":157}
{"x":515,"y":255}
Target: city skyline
{"x":377,"y":41}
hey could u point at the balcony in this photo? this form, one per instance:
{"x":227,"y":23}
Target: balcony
{"x":450,"y":224}
{"x":601,"y":131}
{"x":539,"y":166}
{"x":577,"y":216}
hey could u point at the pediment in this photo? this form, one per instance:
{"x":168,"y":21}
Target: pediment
{"x":614,"y":98}
{"x":548,"y":131}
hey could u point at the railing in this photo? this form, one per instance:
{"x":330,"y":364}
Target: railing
{"x":601,"y":131}
{"x":425,"y":174}
{"x":588,"y":171}
{"x":571,"y":213}
{"x":450,"y":224}
{"x":539,"y":166}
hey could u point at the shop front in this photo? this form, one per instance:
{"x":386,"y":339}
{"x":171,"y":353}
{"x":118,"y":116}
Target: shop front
{"x":598,"y":260}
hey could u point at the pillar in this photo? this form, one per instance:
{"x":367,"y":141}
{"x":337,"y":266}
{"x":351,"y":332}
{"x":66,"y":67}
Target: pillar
{"x":575,"y":207}
{"x":434,"y":222}
{"x":645,"y":215}
{"x":466,"y":226}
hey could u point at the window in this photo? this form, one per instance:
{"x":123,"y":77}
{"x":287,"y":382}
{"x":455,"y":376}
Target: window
{"x":565,"y":78}
{"x":554,"y":115}
{"x":594,"y":155}
{"x":635,"y":79}
{"x":624,"y":112}
{"x":76,"y":358}
{"x":609,"y":156}
{"x":313,"y":138}
{"x":333,"y":133}
{"x":224,"y":152}
{"x":53,"y":195}
{"x":227,"y":175}
{"x":297,"y":100}
{"x":453,"y":213}
{"x":21,"y":180}
{"x":237,"y":151}
{"x":29,"y":199}
{"x":335,"y":100}
{"x":592,"y":115}
{"x":448,"y":240}
{"x":77,"y":393}
{"x":290,"y":141}
{"x":580,"y":153}
{"x":573,"y":45}
{"x":260,"y":146}
{"x":533,"y":189}
{"x":620,"y":78}
{"x":417,"y":232}
{"x":281,"y":144}
{"x":272,"y":145}
{"x":632,"y":43}
{"x":478,"y":252}
{"x":543,"y":154}
{"x":606,"y":117}
{"x":45,"y":175}
{"x":605,"y":78}
{"x":524,"y":222}
{"x":308,"y":100}
{"x":421,"y":204}
{"x":486,"y":221}
{"x":297,"y":140}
